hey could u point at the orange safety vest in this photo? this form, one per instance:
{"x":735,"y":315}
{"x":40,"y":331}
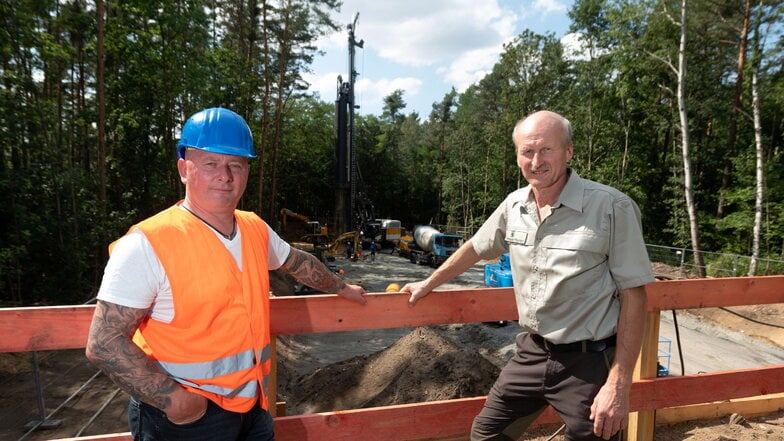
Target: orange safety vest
{"x":218,"y":344}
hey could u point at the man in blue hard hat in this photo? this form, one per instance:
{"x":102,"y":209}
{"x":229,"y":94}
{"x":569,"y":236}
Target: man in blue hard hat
{"x":182,"y":320}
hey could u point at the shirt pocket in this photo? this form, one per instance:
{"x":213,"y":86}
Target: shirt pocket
{"x":576,"y":252}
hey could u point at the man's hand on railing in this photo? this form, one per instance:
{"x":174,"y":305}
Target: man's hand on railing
{"x":354,"y":293}
{"x":417,"y":291}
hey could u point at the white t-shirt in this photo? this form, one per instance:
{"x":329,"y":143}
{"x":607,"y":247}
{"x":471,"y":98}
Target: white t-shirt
{"x":134,"y":276}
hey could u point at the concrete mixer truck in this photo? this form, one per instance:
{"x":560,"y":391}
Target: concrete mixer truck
{"x":428,"y":246}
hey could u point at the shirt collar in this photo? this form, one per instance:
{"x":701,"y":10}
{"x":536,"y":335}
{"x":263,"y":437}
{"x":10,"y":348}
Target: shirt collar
{"x":571,"y":196}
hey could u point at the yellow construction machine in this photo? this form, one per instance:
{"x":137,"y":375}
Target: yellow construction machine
{"x":312,"y":226}
{"x":348,"y":244}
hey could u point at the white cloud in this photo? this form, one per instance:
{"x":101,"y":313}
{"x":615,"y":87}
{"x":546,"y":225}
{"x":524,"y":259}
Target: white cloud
{"x":425,"y":47}
{"x":326,"y":85}
{"x":371,"y":93}
{"x":367,"y":92}
{"x":549,"y":6}
{"x":542,"y":10}
{"x":470,"y":67}
{"x":459,"y":39}
{"x":576,"y":47}
{"x":423,"y":33}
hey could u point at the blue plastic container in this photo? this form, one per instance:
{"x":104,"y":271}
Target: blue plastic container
{"x":499,"y":275}
{"x":490,"y":270}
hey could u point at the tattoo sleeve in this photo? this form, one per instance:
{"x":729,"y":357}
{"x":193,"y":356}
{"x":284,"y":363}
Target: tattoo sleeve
{"x":110,"y":348}
{"x":306,"y":269}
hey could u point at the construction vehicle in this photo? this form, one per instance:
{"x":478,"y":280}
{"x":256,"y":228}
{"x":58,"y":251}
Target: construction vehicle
{"x":307,"y":235}
{"x":348,"y":244}
{"x":389,"y":231}
{"x":312,"y":226}
{"x":428,"y":246}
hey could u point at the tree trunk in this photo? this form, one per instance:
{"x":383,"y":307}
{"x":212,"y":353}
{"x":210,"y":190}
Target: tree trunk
{"x":284,"y":45}
{"x":760,"y":190}
{"x":688,"y":186}
{"x":265,"y":103}
{"x":101,"y":102}
{"x":625,"y":157}
{"x":732,"y":131}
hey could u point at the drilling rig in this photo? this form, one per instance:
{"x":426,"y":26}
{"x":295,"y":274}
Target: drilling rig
{"x":353,"y":208}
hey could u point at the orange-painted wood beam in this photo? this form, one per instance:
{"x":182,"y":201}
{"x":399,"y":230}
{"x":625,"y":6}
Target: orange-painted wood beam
{"x":323,"y":313}
{"x":44,"y":328}
{"x":420,"y":421}
{"x":664,"y":392}
{"x":65,"y":327}
{"x":725,"y":291}
{"x":447,"y":419}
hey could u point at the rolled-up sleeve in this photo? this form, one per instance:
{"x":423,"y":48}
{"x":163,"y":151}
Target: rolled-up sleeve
{"x":628,"y":256}
{"x":489,"y":240}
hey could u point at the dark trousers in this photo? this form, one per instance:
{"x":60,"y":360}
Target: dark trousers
{"x":535,"y":377}
{"x":148,"y":423}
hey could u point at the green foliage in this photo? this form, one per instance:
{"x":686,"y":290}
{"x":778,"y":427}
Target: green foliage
{"x":166,"y":60}
{"x":308,"y":159}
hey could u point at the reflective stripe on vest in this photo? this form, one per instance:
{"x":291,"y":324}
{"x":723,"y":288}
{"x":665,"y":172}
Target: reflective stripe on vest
{"x":218,"y":368}
{"x":247,"y":390}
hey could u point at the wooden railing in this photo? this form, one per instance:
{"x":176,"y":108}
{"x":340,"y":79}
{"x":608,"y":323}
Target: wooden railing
{"x":65,"y":327}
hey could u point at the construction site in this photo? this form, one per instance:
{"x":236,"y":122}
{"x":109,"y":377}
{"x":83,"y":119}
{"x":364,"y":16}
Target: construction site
{"x":711,"y":368}
{"x":326,"y":374}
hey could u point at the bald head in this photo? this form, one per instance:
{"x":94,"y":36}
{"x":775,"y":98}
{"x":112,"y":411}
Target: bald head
{"x":545,"y":120}
{"x":544,"y":149}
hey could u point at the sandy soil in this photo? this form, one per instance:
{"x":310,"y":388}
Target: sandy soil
{"x":378,"y":367}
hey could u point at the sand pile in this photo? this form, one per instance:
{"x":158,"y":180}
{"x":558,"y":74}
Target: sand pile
{"x":421,"y":366}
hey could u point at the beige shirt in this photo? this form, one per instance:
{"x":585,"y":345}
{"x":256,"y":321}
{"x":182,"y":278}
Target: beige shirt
{"x":568,"y":268}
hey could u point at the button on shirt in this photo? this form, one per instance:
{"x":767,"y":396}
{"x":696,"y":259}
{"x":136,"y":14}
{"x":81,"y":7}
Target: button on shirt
{"x":568,"y":267}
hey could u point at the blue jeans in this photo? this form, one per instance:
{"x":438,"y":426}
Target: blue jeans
{"x":148,"y":423}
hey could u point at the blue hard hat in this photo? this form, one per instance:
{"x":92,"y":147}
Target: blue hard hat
{"x":217,"y":130}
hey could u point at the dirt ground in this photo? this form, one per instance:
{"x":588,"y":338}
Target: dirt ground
{"x":346,"y":370}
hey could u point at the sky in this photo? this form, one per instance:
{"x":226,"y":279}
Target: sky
{"x":426,"y":47}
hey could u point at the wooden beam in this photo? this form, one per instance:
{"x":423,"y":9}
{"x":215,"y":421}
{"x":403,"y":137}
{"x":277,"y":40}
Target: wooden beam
{"x":444,"y":419}
{"x":65,"y":327}
{"x":704,"y":388}
{"x":44,"y":328}
{"x":323,"y":313}
{"x":451,"y":418}
{"x":641,"y":423}
{"x":751,"y":407}
{"x":435,"y":420}
{"x":725,"y":291}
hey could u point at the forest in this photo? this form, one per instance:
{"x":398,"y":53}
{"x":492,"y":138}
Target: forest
{"x":680,"y":104}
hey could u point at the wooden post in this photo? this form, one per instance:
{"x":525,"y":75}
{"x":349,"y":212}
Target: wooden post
{"x":641,"y":423}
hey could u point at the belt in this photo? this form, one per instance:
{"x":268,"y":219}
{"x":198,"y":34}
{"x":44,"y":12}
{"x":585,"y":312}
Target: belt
{"x":578,"y":346}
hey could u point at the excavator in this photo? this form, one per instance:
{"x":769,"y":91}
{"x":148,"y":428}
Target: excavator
{"x":307,"y":235}
{"x":348,"y":243}
{"x":312,"y":226}
{"x":315,"y":238}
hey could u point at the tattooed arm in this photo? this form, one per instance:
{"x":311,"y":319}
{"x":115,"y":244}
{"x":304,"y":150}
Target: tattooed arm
{"x":110,"y":348}
{"x":304,"y":267}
